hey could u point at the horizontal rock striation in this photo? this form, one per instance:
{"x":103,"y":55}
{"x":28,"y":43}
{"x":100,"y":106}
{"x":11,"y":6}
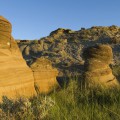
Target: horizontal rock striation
{"x":16,"y":78}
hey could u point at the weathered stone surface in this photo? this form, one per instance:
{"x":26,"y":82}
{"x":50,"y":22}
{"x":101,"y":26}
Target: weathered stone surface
{"x":44,"y":75}
{"x":16,"y":78}
{"x":97,"y":70}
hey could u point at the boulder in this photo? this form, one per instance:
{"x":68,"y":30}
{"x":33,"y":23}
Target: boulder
{"x":44,"y":75}
{"x":97,"y":69}
{"x":16,"y":78}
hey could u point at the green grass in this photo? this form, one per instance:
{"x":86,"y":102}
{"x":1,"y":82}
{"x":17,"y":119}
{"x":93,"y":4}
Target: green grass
{"x":70,"y":103}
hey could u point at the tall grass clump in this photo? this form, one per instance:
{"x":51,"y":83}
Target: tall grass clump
{"x":74,"y":103}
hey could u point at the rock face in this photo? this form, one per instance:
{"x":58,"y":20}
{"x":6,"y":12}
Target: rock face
{"x":97,"y":70}
{"x":44,"y":75}
{"x":16,"y":78}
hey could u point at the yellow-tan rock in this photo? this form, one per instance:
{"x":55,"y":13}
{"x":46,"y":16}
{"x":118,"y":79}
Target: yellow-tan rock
{"x":97,"y":69}
{"x":16,"y":78}
{"x":44,"y":75}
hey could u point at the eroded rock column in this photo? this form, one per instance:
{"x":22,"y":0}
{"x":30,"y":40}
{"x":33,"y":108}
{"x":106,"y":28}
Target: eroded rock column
{"x":44,"y":75}
{"x":16,"y":78}
{"x":97,"y":69}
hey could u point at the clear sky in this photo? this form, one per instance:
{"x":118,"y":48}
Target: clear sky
{"x":33,"y":19}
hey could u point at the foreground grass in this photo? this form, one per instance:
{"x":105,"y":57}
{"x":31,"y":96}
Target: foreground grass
{"x":70,"y":103}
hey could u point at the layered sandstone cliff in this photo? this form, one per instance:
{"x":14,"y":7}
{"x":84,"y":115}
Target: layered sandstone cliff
{"x":16,"y":78}
{"x":97,"y":69}
{"x":44,"y":75}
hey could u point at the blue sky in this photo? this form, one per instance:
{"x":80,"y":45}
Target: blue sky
{"x":33,"y":19}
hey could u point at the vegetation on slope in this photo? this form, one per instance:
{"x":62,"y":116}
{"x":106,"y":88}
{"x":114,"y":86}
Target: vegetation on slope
{"x":73,"y":102}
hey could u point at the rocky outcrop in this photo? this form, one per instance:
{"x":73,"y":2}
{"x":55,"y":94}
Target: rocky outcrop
{"x":97,"y":70}
{"x":60,"y":32}
{"x":64,"y":47}
{"x":16,"y":78}
{"x":44,"y":75}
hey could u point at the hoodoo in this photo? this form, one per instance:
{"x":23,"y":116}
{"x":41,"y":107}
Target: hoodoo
{"x":44,"y":75}
{"x":16,"y":78}
{"x":97,"y":69}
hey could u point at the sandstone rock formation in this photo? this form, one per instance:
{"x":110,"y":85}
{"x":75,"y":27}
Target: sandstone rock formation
{"x":44,"y":75}
{"x":97,"y":70}
{"x":16,"y":78}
